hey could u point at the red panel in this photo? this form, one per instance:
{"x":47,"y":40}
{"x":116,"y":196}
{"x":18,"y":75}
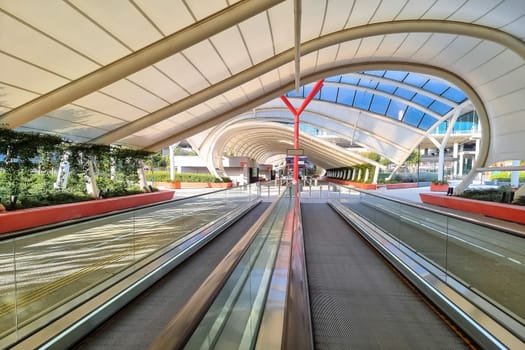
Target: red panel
{"x":27,"y":218}
{"x":514,"y":213}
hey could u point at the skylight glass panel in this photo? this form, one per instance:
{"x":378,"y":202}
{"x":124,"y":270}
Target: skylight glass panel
{"x":362,"y":100}
{"x":379,"y":104}
{"x":346,"y":96}
{"x":395,"y":75}
{"x":334,"y":79}
{"x":422,"y":100}
{"x":455,"y":95}
{"x":413,"y":116}
{"x":329,"y":93}
{"x":440,"y":108}
{"x":415,"y":80}
{"x":377,"y":73}
{"x":396,"y":109}
{"x":427,"y":122}
{"x":386,"y":88}
{"x":348,"y":79}
{"x":307,"y":90}
{"x":293,"y":94}
{"x":435,"y":86}
{"x":405,"y":93}
{"x":368,"y":83}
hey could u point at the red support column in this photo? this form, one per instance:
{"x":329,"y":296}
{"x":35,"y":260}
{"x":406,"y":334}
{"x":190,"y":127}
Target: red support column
{"x":297,"y":114}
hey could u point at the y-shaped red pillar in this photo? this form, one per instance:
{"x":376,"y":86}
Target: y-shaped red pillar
{"x":296,"y":114}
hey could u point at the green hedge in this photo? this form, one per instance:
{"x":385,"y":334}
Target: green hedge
{"x":505,"y":176}
{"x":490,"y":195}
{"x":164,"y":176}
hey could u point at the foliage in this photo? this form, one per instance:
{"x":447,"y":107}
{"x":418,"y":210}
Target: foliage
{"x":439,"y":182}
{"x":407,"y":177}
{"x":413,"y":158}
{"x":52,"y":198}
{"x":376,"y":157}
{"x":30,"y":160}
{"x":359,"y":171}
{"x":490,"y":195}
{"x":164,"y":176}
{"x":505,"y":176}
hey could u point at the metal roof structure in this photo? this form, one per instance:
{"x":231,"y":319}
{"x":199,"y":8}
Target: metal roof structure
{"x":150,"y":73}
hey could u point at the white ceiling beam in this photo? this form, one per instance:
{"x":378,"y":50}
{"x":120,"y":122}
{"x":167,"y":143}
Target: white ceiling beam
{"x":409,"y":26}
{"x":297,"y":43}
{"x":136,"y":61}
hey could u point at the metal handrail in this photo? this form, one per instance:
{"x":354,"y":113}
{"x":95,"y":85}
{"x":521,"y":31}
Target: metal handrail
{"x":285,"y":322}
{"x":507,"y":230}
{"x":480,"y":325}
{"x":181,"y":327}
{"x":29,"y":231}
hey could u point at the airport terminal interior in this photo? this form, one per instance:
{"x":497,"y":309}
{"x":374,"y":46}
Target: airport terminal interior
{"x":339,"y":146}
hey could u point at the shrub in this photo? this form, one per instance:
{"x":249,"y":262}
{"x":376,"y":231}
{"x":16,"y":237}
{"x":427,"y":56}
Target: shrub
{"x":490,"y":195}
{"x":504,"y":176}
{"x":439,"y":182}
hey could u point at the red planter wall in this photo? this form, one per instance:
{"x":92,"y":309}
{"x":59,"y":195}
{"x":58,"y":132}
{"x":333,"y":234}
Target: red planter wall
{"x":28,"y":218}
{"x":401,"y":185}
{"x":438,"y":188}
{"x":514,"y":213}
{"x":360,"y":185}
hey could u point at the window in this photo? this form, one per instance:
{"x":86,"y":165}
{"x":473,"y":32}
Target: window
{"x":379,"y":104}
{"x":362,"y":100}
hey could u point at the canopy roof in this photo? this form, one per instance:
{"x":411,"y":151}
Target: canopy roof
{"x":150,"y":73}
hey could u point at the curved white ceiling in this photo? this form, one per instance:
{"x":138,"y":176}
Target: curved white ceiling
{"x":262,"y":140}
{"x":148,"y":74}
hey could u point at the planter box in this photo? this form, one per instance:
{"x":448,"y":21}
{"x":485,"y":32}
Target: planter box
{"x":438,"y":188}
{"x":361,"y":185}
{"x":194,"y":185}
{"x":401,"y":185}
{"x":169,"y":185}
{"x":220,"y":184}
{"x":509,"y":212}
{"x":34,"y":217}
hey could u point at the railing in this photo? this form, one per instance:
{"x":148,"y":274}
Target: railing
{"x":48,"y":274}
{"x":482,"y":263}
{"x":244,"y":303}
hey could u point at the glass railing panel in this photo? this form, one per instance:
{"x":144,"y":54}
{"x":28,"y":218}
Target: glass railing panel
{"x":55,"y":268}
{"x":233,"y":319}
{"x":48,"y":273}
{"x":7,"y":293}
{"x":489,"y":262}
{"x":424,"y":232}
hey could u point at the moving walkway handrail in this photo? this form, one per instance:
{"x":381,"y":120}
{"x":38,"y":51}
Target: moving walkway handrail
{"x":285,"y":322}
{"x":28,"y":231}
{"x":505,"y":229}
{"x":180,"y":328}
{"x":475,"y":321}
{"x":73,"y":314}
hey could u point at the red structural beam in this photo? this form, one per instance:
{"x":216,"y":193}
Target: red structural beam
{"x":297,"y":114}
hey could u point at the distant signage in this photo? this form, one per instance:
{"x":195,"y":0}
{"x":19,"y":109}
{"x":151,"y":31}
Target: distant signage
{"x":301,"y":161}
{"x":295,"y":152}
{"x":243,"y":164}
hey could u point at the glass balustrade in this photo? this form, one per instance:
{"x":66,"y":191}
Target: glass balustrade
{"x":45,"y":274}
{"x":488,"y":262}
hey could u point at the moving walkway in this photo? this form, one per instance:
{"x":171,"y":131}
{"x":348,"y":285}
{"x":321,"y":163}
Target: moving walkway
{"x":275,"y":290}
